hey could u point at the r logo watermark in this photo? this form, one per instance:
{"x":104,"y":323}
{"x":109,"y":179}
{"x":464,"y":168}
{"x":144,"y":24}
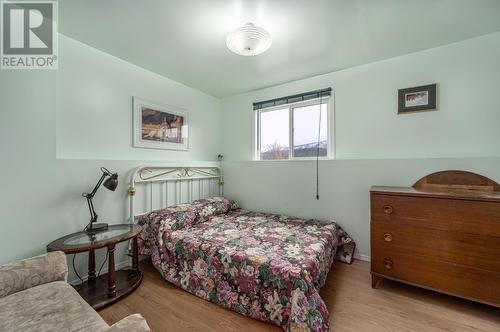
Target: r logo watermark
{"x":28,"y":35}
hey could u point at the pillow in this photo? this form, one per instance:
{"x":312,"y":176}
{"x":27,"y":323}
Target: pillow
{"x":171,"y":218}
{"x":180,"y":216}
{"x":208,"y":207}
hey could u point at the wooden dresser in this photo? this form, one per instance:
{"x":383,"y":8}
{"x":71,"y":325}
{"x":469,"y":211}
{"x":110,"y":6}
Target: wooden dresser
{"x":442,"y":234}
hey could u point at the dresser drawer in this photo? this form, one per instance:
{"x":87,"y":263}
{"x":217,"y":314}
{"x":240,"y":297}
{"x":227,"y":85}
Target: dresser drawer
{"x":473,"y":217}
{"x":462,"y":248}
{"x":450,"y":278}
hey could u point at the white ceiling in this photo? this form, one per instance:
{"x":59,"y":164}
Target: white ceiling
{"x":184,"y":40}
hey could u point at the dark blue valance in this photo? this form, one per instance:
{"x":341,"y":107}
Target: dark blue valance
{"x":293,"y":99}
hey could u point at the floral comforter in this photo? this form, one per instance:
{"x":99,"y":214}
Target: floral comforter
{"x":269,"y":267}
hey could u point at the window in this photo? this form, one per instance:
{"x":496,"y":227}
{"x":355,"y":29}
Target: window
{"x":294,"y":125}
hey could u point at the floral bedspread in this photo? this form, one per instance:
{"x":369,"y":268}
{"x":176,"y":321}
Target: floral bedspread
{"x":269,"y":267}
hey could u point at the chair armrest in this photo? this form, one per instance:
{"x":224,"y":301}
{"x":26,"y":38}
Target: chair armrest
{"x":31,"y":272}
{"x":132,"y":323}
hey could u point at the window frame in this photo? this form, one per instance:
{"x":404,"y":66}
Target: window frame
{"x":330,"y":151}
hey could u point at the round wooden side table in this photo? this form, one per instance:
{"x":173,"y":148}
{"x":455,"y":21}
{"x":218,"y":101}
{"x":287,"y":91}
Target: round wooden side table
{"x":103,"y":290}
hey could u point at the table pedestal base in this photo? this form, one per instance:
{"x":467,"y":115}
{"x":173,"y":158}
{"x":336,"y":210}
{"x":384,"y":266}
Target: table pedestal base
{"x":96,"y":293}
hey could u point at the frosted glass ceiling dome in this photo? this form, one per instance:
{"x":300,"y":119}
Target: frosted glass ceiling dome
{"x":249,"y":40}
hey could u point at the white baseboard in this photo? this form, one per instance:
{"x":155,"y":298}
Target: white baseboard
{"x":364,"y":258}
{"x":118,"y":266}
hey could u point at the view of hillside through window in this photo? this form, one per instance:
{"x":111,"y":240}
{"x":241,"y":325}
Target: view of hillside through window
{"x":306,"y":128}
{"x":275,"y":136}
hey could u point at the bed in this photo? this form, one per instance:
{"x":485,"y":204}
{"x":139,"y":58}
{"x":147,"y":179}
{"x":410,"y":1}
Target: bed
{"x":266,"y":266}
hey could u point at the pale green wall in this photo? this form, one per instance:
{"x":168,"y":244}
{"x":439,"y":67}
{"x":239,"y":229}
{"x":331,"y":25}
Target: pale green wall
{"x":367,"y":125}
{"x":94,"y":119}
{"x":90,"y":99}
{"x":389,"y":149}
{"x":288,"y":187}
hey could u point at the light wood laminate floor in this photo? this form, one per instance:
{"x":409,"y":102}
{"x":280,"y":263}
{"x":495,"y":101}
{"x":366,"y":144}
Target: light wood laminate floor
{"x":353,"y":306}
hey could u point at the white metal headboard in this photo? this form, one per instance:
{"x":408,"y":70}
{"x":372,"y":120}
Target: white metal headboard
{"x":153,"y":188}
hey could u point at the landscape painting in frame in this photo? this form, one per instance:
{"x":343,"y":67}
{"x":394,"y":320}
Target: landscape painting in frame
{"x":159,"y":127}
{"x":420,"y":98}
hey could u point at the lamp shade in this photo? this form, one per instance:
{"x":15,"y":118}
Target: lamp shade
{"x":112,"y":182}
{"x":249,"y":40}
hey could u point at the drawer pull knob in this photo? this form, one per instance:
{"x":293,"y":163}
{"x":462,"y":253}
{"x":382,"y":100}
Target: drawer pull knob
{"x":388,"y":237}
{"x":388,"y":209}
{"x":388,"y":264}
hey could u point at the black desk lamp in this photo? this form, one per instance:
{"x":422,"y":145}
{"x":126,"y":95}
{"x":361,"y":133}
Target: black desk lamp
{"x":111,"y":184}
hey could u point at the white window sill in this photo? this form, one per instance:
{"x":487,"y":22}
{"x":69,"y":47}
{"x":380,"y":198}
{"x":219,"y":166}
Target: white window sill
{"x":294,"y":159}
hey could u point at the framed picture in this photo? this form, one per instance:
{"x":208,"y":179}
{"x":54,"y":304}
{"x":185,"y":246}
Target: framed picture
{"x":420,"y":98}
{"x":159,"y":127}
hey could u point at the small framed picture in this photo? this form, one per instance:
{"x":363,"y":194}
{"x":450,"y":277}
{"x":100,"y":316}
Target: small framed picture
{"x":420,"y":98}
{"x":159,"y":126}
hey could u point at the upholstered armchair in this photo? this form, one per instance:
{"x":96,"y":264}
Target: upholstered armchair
{"x":35,"y":296}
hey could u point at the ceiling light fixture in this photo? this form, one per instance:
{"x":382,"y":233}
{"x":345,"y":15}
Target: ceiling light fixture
{"x":249,"y":40}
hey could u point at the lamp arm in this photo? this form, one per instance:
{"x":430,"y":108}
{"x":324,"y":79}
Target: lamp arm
{"x":93,"y":214}
{"x":105,"y":172}
{"x":89,"y":196}
{"x":101,"y":180}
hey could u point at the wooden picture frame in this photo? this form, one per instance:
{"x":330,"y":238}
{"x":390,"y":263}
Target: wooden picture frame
{"x":419,"y":98}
